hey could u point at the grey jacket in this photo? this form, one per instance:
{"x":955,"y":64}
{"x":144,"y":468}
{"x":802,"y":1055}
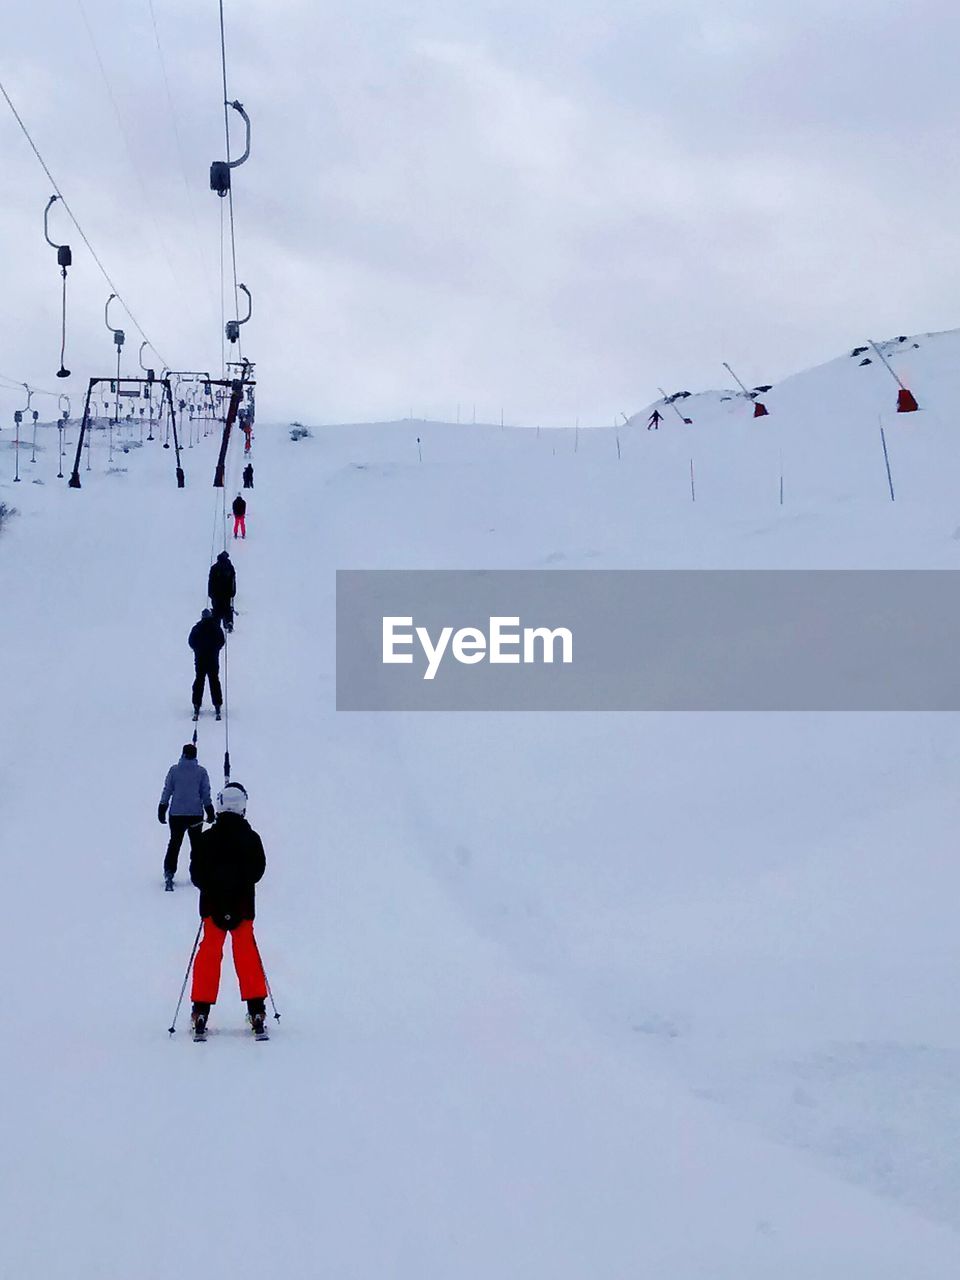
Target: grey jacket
{"x":187,"y":789}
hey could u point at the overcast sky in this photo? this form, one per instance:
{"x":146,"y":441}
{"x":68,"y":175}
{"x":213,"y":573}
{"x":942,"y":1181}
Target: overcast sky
{"x":546,"y":207}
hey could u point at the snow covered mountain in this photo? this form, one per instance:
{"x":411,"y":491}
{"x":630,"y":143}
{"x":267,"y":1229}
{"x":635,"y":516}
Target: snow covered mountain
{"x":598,"y":996}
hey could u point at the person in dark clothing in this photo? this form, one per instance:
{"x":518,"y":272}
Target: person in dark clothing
{"x":245,"y":421}
{"x":222,"y":588}
{"x":206,"y":640}
{"x":186,"y":794}
{"x":226,"y":863}
{"x":240,"y":516}
{"x":248,"y":476}
{"x":655,"y":419}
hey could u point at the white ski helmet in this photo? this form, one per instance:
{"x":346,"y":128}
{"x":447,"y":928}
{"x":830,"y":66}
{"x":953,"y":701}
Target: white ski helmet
{"x":232,"y":799}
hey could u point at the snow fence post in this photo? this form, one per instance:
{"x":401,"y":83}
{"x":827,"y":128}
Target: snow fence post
{"x":886,"y":459}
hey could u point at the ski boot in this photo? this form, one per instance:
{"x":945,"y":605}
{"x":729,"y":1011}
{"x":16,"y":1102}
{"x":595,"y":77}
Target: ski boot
{"x":196,"y":714}
{"x":257,"y":1017}
{"x":198,"y":1018}
{"x":218,"y":715}
{"x":168,"y":883}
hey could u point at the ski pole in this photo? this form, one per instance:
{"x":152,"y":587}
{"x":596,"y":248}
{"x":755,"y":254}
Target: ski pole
{"x":196,"y":942}
{"x":266,"y":980}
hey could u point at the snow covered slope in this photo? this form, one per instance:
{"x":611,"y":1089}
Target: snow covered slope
{"x":583,"y":996}
{"x":822,"y":432}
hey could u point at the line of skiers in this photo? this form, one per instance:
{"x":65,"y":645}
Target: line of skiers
{"x":206,"y":638}
{"x":227,"y":859}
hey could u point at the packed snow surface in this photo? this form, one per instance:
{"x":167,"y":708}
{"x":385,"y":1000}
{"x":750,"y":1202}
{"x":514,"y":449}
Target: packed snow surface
{"x":594,"y":997}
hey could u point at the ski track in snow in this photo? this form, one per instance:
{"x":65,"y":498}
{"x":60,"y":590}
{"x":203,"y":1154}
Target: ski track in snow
{"x":602,"y":996}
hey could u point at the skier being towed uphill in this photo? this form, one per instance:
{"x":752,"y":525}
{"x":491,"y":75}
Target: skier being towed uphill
{"x":186,"y":794}
{"x":226,"y":862}
{"x":206,"y":640}
{"x":222,"y":589}
{"x":239,"y":516}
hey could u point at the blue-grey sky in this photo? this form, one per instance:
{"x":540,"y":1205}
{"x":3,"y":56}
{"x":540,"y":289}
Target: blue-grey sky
{"x":546,"y":208}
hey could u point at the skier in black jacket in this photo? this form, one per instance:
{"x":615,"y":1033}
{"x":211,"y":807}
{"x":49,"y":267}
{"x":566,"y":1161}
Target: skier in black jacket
{"x":248,"y":476}
{"x":222,"y":588}
{"x":226,"y":862}
{"x":206,"y":640}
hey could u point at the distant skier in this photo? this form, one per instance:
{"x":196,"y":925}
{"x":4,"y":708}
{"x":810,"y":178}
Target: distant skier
{"x":248,"y":476}
{"x":246,"y":426}
{"x":655,"y":419}
{"x":222,"y":589}
{"x":240,"y":516}
{"x":206,"y":640}
{"x":186,"y":793}
{"x":226,"y":862}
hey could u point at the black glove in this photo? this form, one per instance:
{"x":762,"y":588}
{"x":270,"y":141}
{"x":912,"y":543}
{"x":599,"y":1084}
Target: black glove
{"x":211,"y":816}
{"x":161,"y":812}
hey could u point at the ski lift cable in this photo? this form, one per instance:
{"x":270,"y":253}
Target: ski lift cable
{"x":226,"y":649}
{"x":223,"y":303}
{"x":224,"y":177}
{"x":220,"y":515}
{"x":226,"y":127}
{"x":216,"y":518}
{"x":226,"y":709}
{"x":14,"y":384}
{"x":233,"y":254}
{"x":128,"y":147}
{"x":73,"y":218}
{"x":230,"y":464}
{"x":204,"y":263}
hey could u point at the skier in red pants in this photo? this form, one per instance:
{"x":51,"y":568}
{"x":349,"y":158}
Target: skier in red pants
{"x":246,"y":426}
{"x":240,"y":516}
{"x":226,"y":863}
